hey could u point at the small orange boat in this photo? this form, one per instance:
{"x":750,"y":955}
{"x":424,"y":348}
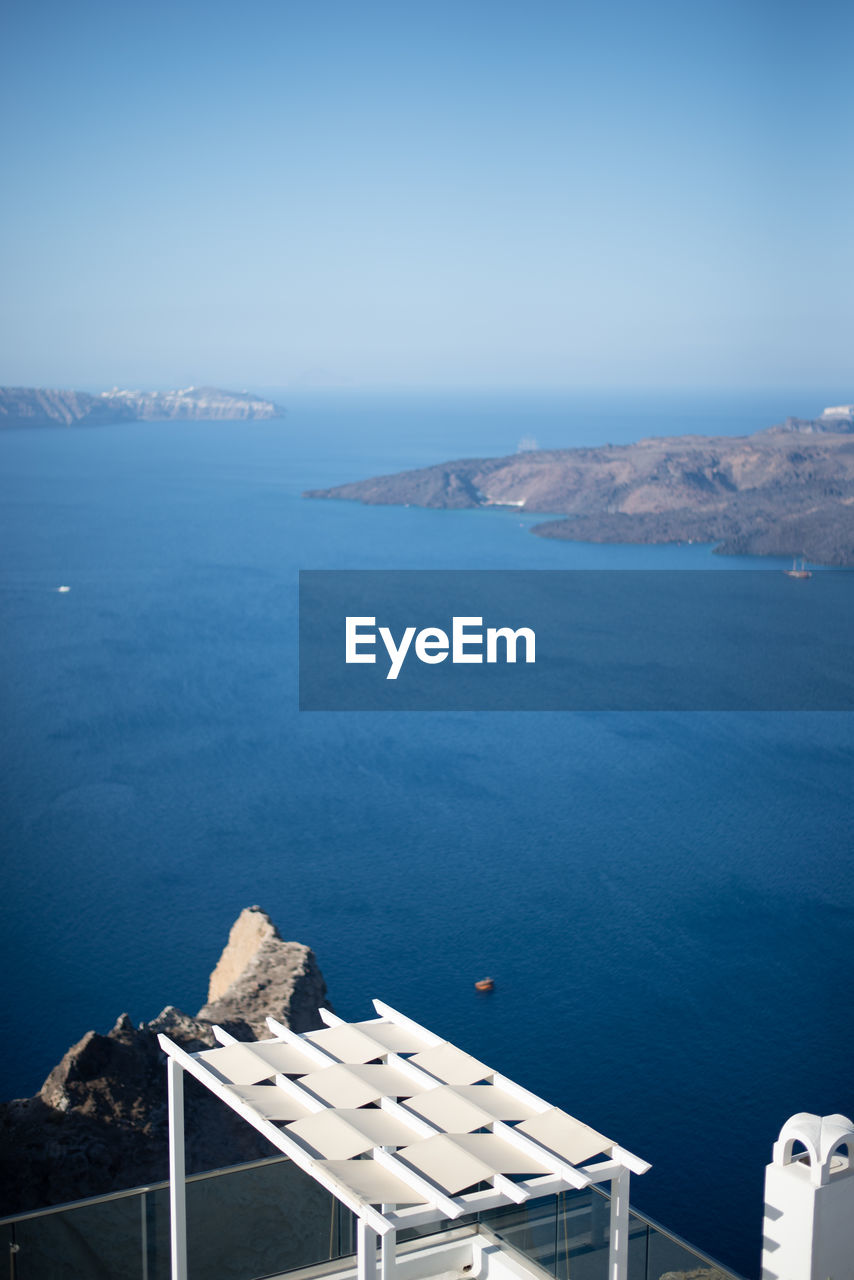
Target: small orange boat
{"x":485,"y":984}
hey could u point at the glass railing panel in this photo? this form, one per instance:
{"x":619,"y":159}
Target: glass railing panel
{"x":670,"y":1259}
{"x":531,"y":1228}
{"x":264,"y":1219}
{"x":582,"y":1236}
{"x":405,"y":1234}
{"x":242,"y":1224}
{"x":569,"y":1236}
{"x":99,"y":1241}
{"x":258,"y":1221}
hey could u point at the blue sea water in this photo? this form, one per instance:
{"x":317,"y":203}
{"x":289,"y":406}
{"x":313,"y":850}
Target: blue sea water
{"x":665,"y":900}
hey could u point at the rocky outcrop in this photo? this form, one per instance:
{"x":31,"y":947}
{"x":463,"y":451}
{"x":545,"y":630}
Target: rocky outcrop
{"x":38,"y":407}
{"x":99,"y":1121}
{"x":258,"y":971}
{"x":786,"y":491}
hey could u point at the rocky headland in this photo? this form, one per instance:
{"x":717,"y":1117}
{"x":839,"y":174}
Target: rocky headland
{"x":40,"y":407}
{"x":99,"y":1121}
{"x":787,"y":491}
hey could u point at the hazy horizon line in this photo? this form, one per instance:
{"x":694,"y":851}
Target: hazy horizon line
{"x":270,"y":389}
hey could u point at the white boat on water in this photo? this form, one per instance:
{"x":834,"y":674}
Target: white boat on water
{"x":795,"y":572}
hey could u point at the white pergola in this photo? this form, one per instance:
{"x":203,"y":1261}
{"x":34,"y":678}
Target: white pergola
{"x":399,"y":1125}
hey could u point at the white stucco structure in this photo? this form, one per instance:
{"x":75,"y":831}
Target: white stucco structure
{"x":808,"y":1230}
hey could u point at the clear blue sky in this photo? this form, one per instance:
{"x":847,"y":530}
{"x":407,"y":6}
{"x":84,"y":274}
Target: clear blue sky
{"x":477,"y":193}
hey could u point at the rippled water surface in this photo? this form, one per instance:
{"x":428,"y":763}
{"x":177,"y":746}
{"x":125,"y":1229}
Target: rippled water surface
{"x":665,"y":900}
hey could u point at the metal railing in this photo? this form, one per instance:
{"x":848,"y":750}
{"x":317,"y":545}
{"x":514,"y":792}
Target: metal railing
{"x":269,"y":1217}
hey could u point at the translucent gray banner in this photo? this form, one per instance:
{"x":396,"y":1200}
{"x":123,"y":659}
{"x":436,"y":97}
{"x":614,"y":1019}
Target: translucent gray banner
{"x":576,"y":640}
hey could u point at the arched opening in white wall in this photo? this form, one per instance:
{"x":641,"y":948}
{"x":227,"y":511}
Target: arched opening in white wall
{"x":808,"y":1228}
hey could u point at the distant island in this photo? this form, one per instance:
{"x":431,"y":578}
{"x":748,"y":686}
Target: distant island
{"x":788,"y":490}
{"x":39,"y":407}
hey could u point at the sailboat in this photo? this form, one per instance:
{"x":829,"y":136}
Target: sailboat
{"x":795,"y":572}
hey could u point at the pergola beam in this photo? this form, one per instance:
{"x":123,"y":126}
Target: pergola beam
{"x":421,"y":1128}
{"x":322,"y":1057}
{"x":431,"y":1040}
{"x":513,"y":1191}
{"x":222,"y":1036}
{"x":519,"y":1093}
{"x":300,"y":1094}
{"x":629,"y":1161}
{"x":331,"y":1019}
{"x":425,"y":1187}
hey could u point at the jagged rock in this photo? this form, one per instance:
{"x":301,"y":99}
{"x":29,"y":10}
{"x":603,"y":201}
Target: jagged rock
{"x":192,"y":1033}
{"x":99,"y":1121}
{"x":252,"y":928}
{"x":259,"y":974}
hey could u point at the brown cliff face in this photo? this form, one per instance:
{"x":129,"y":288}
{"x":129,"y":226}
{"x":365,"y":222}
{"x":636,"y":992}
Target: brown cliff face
{"x":99,"y":1122}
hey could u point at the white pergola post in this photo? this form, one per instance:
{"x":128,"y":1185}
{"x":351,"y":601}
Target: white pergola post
{"x":177,"y":1182}
{"x":366,"y":1251}
{"x":388,"y":1248}
{"x":618,"y":1245}
{"x":388,"y":1251}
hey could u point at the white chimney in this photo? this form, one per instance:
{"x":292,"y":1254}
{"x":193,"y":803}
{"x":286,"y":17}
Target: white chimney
{"x":808,"y":1231}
